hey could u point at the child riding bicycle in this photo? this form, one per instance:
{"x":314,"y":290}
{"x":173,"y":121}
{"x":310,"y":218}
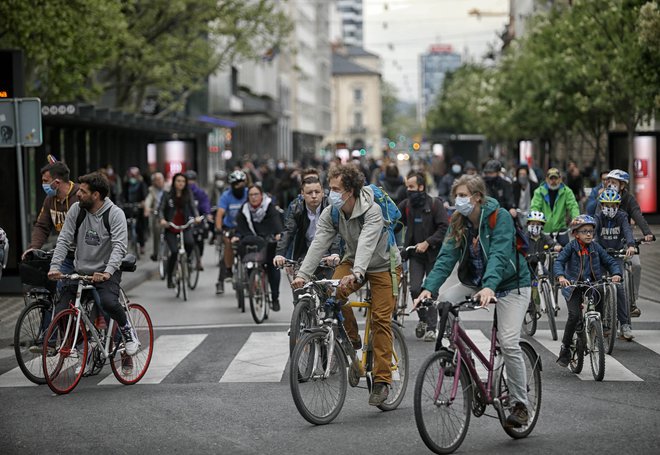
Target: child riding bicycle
{"x":580,"y":260}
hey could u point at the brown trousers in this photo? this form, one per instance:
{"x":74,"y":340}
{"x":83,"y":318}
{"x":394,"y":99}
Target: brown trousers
{"x":382,"y":306}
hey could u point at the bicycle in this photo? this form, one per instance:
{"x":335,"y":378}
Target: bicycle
{"x":258,"y":287}
{"x":448,"y":388}
{"x":402,"y":297}
{"x":562,"y":238}
{"x":182,"y":275}
{"x":547,"y":302}
{"x":34,"y":319}
{"x":69,"y":349}
{"x":318,"y":375}
{"x":629,"y":281}
{"x":132,"y":209}
{"x":588,"y":337}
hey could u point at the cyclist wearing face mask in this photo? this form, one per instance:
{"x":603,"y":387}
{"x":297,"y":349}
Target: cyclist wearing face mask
{"x":556,"y":201}
{"x":61,"y":194}
{"x":444,"y":188}
{"x":618,"y":180}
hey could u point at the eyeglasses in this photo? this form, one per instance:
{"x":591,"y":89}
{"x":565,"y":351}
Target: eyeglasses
{"x":586,"y":232}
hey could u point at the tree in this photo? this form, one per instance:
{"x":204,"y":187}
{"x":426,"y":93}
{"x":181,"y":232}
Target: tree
{"x":389,"y":101}
{"x":64,"y":41}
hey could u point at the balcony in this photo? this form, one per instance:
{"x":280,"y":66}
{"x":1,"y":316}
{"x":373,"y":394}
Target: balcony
{"x":357,"y":130}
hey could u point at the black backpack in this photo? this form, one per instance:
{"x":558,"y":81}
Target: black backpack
{"x":81,"y":217}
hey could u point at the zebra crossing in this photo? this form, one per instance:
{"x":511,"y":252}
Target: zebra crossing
{"x":263,"y":358}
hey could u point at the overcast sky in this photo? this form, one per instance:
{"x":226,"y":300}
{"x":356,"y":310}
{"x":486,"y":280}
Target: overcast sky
{"x":413,"y":25}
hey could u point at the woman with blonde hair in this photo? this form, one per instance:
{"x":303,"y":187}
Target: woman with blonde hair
{"x":481,"y":238}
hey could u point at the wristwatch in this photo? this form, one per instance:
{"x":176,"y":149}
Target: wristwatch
{"x":358,"y":277}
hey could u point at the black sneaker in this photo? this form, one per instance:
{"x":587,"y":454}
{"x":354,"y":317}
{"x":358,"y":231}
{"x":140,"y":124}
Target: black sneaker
{"x":276,"y":305}
{"x":635,"y":312}
{"x":379,"y":393}
{"x":420,"y":330}
{"x":357,"y":344}
{"x":518,"y":417}
{"x":170,"y":285}
{"x":564,"y":357}
{"x":153,"y":257}
{"x":220,"y":287}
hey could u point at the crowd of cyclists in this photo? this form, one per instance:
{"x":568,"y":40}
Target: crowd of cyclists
{"x":330,"y":213}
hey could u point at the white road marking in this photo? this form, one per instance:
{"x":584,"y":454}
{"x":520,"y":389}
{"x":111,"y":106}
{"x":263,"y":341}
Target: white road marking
{"x":262,"y":358}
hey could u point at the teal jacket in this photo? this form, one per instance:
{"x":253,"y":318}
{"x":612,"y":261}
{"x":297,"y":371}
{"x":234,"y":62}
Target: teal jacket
{"x":565,"y":204}
{"x":498,"y":245}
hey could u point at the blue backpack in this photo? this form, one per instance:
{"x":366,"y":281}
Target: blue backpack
{"x":391,"y":215}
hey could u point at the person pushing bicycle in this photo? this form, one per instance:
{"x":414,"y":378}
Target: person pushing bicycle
{"x":100,"y":240}
{"x":366,"y":256}
{"x":487,"y":264}
{"x":580,"y":260}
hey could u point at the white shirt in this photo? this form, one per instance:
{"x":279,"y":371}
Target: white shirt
{"x":311,"y":230}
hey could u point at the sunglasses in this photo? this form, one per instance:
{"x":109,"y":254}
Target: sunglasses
{"x":586,"y":232}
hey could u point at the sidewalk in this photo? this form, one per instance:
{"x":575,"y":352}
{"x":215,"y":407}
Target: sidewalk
{"x":11,"y":306}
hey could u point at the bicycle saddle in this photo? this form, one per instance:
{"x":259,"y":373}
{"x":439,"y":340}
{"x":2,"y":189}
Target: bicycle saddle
{"x":128,"y":264}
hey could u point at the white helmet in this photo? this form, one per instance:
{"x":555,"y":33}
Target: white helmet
{"x":237,"y":176}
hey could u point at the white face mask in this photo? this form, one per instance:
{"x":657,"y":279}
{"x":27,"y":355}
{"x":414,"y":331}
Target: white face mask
{"x":534,"y":229}
{"x":456,"y":168}
{"x":610,"y":212}
{"x":613,"y":186}
{"x":464,"y":206}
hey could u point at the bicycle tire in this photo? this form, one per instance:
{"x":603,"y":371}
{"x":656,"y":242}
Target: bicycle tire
{"x":183,"y":273}
{"x":530,"y":320}
{"x":534,"y":392}
{"x":401,"y":300}
{"x":596,"y":350}
{"x":431,"y":417}
{"x":546,"y":293}
{"x":400,"y":369}
{"x":609,"y":318}
{"x":162,"y":259}
{"x":29,"y":332}
{"x":141,"y":323}
{"x":577,"y":354}
{"x":193,"y":269}
{"x":630,"y":287}
{"x":64,"y":367}
{"x":257,"y":296}
{"x":308,"y":362}
{"x":304,"y":316}
{"x":240,"y":288}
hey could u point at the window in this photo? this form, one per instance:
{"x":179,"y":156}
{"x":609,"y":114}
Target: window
{"x":357,"y":95}
{"x":357,"y":120}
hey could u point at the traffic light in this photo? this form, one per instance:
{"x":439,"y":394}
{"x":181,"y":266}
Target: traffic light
{"x":415,"y":146}
{"x":392,"y":145}
{"x":12,"y":83}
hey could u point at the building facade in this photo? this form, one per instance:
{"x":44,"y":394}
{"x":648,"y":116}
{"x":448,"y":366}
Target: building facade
{"x":433,"y":68}
{"x":352,"y":25}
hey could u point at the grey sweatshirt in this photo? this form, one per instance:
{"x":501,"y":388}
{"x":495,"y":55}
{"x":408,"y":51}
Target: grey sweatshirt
{"x":96,"y":249}
{"x":366,"y":242}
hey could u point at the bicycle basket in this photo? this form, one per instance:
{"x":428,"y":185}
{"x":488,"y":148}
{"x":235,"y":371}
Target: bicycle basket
{"x":34,"y":272}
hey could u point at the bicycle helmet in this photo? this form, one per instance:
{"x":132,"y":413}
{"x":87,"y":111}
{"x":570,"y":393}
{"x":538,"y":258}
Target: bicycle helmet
{"x":618,"y":174}
{"x":582,"y":220}
{"x":492,"y":166}
{"x":536,"y":216}
{"x":237,"y":176}
{"x":609,"y":196}
{"x":191,"y":175}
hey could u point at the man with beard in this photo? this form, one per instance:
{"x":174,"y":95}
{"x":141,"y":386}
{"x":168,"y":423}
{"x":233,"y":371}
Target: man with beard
{"x":225,"y":219}
{"x":426,"y":224}
{"x":557,"y":202}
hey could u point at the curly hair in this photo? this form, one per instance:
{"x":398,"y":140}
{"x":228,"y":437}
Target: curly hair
{"x":352,"y":178}
{"x":96,"y":182}
{"x":475,"y":185}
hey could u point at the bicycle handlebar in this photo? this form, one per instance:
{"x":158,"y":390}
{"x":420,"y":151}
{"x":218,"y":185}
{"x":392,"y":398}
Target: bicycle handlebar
{"x":190,"y":222}
{"x":76,"y":277}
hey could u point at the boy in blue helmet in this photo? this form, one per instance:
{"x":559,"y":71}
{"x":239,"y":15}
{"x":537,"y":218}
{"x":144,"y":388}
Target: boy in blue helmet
{"x":614,"y":231}
{"x":580,"y":260}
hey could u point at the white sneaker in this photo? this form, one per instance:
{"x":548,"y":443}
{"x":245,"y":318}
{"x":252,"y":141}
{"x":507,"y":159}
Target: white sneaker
{"x":430,"y":335}
{"x":131,"y":344}
{"x":626,"y":332}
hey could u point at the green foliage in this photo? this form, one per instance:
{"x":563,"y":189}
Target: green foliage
{"x":131,"y":49}
{"x":389,"y":102}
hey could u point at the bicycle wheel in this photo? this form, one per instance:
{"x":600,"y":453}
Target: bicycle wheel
{"x":577,"y":354}
{"x":130,"y":369}
{"x":303,"y":317}
{"x":193,"y":268}
{"x":182,"y":271}
{"x":257,"y":295}
{"x":317,"y":398}
{"x":530,"y":319}
{"x":401,"y":300}
{"x":609,"y":318}
{"x":549,"y":300}
{"x":533,"y":372}
{"x":64,"y":362}
{"x":442,"y":422}
{"x":163,"y":255}
{"x":399,"y":367}
{"x":596,"y":350}
{"x":29,"y":334}
{"x":630,"y":287}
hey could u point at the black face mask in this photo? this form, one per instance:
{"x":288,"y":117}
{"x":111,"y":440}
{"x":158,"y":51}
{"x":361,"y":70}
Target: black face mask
{"x":238,"y":192}
{"x":416,"y":198}
{"x":490,"y":178}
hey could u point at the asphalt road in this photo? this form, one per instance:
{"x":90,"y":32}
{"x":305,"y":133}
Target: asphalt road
{"x":218,"y":384}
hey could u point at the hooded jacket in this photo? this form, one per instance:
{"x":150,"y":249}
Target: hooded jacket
{"x":614,"y":232}
{"x":97,"y":250}
{"x":52,"y":215}
{"x":365,"y":239}
{"x":499,"y":253}
{"x":576,"y":267}
{"x":565,"y":204}
{"x":426,"y":223}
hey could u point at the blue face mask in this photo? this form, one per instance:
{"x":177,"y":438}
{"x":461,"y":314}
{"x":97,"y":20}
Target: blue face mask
{"x":336,"y":200}
{"x":49,"y":190}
